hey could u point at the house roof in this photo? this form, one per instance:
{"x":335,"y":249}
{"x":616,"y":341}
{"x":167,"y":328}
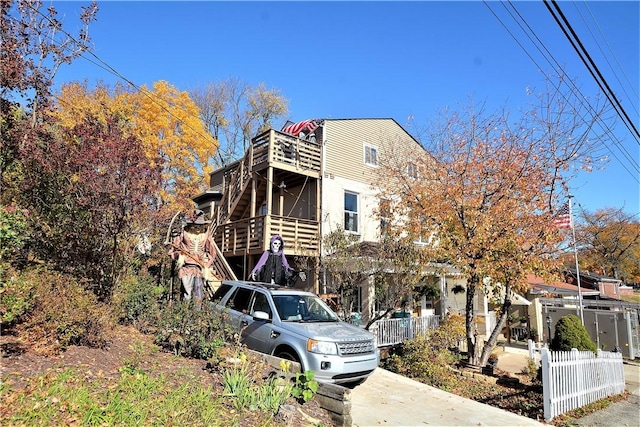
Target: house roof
{"x":537,"y":285}
{"x":593,"y":277}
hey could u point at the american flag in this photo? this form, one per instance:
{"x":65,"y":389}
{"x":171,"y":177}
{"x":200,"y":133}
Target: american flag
{"x":306,"y":126}
{"x":563,"y":217}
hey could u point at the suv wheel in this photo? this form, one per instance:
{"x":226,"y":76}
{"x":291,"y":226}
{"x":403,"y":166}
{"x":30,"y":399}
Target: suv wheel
{"x":288,"y":355}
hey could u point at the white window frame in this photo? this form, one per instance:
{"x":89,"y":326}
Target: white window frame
{"x":385,"y":215}
{"x":355,"y":214}
{"x":370,"y":155}
{"x":412,"y":170}
{"x":357,"y":299}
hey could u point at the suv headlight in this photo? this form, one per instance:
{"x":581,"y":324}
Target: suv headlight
{"x":322,"y":347}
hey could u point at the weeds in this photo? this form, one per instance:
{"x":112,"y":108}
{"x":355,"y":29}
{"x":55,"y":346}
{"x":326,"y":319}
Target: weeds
{"x":305,"y":386}
{"x":249,"y":390}
{"x":189,"y":332}
{"x":55,"y":310}
{"x":135,"y":398}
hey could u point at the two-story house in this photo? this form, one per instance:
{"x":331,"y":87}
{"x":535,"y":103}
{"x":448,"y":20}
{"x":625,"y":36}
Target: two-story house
{"x":301,"y":183}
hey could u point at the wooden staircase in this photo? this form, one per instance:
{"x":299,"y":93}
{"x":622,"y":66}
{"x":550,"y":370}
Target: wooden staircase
{"x":232,"y":196}
{"x":233,"y":191}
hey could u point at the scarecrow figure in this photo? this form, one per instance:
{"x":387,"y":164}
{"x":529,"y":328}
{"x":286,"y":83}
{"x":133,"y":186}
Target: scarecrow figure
{"x":194,"y":251}
{"x":272,"y":267}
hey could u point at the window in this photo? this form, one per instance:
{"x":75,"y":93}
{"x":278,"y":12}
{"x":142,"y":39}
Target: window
{"x":221,"y":292}
{"x":261,"y":303}
{"x":370,"y":155}
{"x":351,"y":212}
{"x":357,"y":300}
{"x":412,"y":170}
{"x":240,"y":300}
{"x":385,"y":215}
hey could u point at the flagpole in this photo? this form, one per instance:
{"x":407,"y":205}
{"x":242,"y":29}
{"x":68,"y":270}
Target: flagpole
{"x":575,"y":252}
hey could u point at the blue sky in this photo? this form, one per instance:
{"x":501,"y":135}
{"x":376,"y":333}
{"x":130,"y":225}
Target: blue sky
{"x":380,"y":59}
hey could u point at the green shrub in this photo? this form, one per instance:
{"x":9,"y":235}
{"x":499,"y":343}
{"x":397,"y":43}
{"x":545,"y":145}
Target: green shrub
{"x":570,"y":333}
{"x":449,"y":333}
{"x":419,"y":359}
{"x":189,"y":331}
{"x":136,"y":301}
{"x":17,"y":294}
{"x":62,"y":312}
{"x":429,"y":358}
{"x":13,"y":226}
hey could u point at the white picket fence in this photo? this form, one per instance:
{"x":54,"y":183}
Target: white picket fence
{"x":396,"y":331}
{"x":572,"y":379}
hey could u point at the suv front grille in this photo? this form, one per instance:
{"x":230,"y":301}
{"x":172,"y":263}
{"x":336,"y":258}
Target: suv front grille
{"x":357,"y":347}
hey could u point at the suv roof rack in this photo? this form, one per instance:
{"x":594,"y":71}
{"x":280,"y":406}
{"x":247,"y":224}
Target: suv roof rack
{"x":269,"y":286}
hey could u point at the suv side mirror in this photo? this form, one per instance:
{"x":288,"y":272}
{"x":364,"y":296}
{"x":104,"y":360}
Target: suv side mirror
{"x":260,"y":315}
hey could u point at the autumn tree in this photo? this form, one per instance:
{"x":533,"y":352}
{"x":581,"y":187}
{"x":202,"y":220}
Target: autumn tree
{"x":390,"y":265}
{"x":234,"y":112}
{"x":91,"y":190}
{"x":164,"y":119}
{"x":609,"y":242}
{"x":485,"y":196}
{"x":34,"y":46}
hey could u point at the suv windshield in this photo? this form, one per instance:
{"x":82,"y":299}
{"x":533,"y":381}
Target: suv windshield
{"x":303,"y":308}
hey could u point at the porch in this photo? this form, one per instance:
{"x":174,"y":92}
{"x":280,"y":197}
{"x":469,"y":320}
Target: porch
{"x":390,"y":332}
{"x":247,"y":236}
{"x":274,"y":189}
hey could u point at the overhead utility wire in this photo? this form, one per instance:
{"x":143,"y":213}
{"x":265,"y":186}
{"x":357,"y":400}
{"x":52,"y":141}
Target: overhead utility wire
{"x":112,"y":70}
{"x":608,"y":131}
{"x":593,"y":69}
{"x":576,"y":90}
{"x":635,"y":92}
{"x":624,"y":89}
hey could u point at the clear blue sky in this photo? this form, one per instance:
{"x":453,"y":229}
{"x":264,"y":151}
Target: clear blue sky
{"x":381,"y":59}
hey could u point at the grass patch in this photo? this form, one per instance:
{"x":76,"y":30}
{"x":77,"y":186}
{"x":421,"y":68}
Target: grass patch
{"x":134,"y":398}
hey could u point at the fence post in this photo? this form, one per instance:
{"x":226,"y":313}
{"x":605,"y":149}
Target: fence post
{"x":546,"y":383}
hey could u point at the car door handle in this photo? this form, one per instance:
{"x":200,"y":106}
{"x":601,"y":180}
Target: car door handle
{"x":244,"y":323}
{"x":274,"y":334}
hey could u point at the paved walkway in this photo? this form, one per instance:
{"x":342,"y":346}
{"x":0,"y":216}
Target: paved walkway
{"x":388,"y":399}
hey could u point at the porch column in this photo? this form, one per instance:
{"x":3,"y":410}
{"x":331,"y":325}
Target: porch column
{"x":253,"y":197}
{"x":267,"y":220}
{"x":443,"y":296}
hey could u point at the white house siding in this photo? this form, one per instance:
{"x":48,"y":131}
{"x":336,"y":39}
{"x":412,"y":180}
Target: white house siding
{"x":344,"y":169}
{"x":333,"y":190}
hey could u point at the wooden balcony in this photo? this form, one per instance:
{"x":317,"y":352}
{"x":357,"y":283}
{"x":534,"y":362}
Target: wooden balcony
{"x":286,"y":152}
{"x":250,"y":236}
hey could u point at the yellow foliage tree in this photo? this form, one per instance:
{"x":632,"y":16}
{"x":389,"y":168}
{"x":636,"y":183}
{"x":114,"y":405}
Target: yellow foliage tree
{"x":167,"y":122}
{"x":610,"y":244}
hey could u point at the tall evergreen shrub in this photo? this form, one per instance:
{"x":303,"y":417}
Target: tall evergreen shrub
{"x":570,"y":333}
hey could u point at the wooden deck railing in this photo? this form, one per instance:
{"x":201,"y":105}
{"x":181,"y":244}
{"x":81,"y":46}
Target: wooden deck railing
{"x":284,"y":149}
{"x":249,"y":235}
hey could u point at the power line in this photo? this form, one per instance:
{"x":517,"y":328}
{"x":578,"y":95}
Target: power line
{"x":102,"y":64}
{"x":591,"y":66}
{"x":574,"y":89}
{"x":595,"y":39}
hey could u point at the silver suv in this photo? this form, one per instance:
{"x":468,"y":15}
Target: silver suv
{"x":298,"y":326}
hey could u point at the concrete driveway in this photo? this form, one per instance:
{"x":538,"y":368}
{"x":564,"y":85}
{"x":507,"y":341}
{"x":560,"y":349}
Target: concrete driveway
{"x":393,"y":400}
{"x":388,"y":399}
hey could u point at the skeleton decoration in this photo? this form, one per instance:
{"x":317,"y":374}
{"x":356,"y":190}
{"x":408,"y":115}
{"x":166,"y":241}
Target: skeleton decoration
{"x":272,"y":267}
